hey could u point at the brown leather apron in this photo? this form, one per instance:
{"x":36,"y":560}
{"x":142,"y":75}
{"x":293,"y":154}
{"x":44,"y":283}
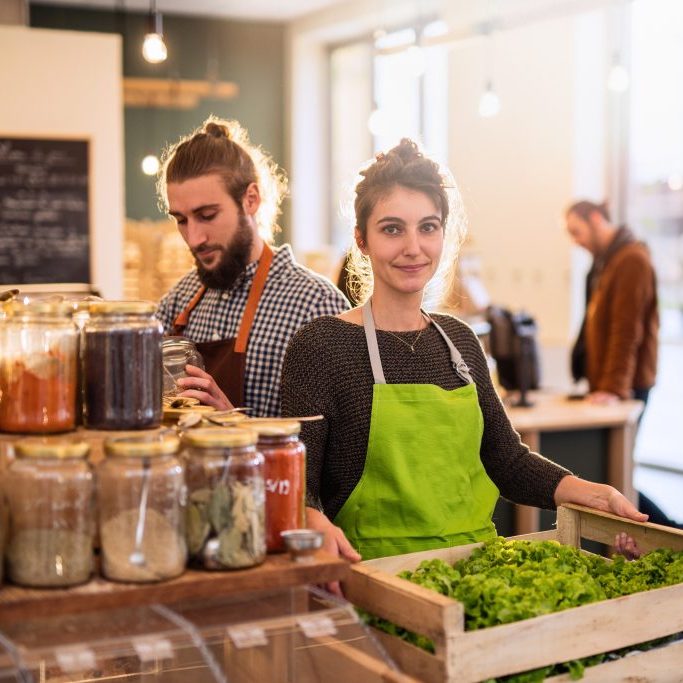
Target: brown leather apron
{"x":226,"y":359}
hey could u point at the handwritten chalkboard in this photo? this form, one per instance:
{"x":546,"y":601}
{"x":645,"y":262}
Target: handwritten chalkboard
{"x":44,"y":212}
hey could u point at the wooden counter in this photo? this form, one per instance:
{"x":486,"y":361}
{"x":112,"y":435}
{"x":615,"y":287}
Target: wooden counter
{"x":278,"y":571}
{"x":557,"y":413}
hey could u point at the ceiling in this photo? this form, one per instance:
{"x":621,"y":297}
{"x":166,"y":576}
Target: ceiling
{"x":256,"y":10}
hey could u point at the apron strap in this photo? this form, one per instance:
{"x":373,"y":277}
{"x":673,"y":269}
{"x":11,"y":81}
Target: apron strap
{"x":373,"y":348}
{"x":183,"y":318}
{"x":457,"y":361}
{"x":255,"y":292}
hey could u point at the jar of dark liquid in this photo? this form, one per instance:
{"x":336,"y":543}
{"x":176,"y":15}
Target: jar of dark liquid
{"x":122,"y":366}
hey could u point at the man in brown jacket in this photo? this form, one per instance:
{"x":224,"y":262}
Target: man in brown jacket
{"x":617,"y":347}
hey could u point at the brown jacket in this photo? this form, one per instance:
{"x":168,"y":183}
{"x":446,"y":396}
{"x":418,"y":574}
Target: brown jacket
{"x":622,"y":323}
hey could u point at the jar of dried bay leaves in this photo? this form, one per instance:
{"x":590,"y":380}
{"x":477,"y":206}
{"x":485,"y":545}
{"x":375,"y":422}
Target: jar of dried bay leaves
{"x":49,"y":489}
{"x":225,"y":523}
{"x":141,"y":496}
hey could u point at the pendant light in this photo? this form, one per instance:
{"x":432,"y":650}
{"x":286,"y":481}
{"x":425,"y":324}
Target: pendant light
{"x":618,"y":79}
{"x":153,"y":47}
{"x":150,"y":164}
{"x":489,"y":102}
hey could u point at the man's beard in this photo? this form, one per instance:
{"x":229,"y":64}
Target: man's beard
{"x":234,"y":259}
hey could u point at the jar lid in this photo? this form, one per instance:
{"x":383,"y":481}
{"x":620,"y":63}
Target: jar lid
{"x":220,"y":437}
{"x":21,"y":309}
{"x":51,"y":447}
{"x":148,"y":445}
{"x":122,"y":307}
{"x":274,"y":427}
{"x":177,"y":341}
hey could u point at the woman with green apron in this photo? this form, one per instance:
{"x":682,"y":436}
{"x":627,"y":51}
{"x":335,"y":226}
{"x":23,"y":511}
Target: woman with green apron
{"x":415,"y":447}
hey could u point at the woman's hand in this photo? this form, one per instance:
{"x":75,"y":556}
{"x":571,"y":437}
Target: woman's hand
{"x":335,"y":542}
{"x":598,"y":496}
{"x":606,"y":498}
{"x":201,"y":385}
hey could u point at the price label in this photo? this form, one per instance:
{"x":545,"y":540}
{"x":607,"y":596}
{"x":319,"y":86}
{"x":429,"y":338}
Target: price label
{"x":150,"y":649}
{"x":317,"y":627}
{"x":72,"y":659}
{"x":247,"y":636}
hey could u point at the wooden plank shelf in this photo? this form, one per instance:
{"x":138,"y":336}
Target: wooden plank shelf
{"x":278,"y":571}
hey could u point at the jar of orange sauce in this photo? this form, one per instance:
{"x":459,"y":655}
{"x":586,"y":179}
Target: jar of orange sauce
{"x":38,"y":368}
{"x":285,"y":474}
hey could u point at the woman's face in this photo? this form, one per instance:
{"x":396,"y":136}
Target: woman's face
{"x":404,"y":240}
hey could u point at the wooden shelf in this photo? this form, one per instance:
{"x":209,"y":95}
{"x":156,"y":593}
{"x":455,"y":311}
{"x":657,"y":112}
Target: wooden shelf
{"x":278,"y":571}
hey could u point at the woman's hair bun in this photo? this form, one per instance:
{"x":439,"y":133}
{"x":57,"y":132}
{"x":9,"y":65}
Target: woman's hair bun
{"x":217,"y":130}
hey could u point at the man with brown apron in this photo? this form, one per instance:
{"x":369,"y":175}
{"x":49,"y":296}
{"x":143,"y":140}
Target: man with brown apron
{"x":244,"y":300}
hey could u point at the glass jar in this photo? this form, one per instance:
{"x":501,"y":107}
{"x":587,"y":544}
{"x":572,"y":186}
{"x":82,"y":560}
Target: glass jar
{"x":38,"y":368}
{"x":285,"y":473}
{"x":177,"y":353}
{"x":122,"y":366}
{"x":141,"y":497}
{"x":80,"y":314}
{"x":49,"y":490}
{"x":226,"y":509}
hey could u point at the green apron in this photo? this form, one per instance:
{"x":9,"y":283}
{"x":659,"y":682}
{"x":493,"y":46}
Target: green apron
{"x":424,"y":485}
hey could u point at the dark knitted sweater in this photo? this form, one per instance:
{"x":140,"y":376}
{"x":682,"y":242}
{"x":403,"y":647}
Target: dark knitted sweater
{"x":327,"y":371}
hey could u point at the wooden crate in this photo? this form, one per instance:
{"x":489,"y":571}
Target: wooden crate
{"x":470,"y":656}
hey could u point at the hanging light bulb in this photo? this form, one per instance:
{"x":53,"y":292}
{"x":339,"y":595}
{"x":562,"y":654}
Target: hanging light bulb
{"x":489,"y":103}
{"x":150,"y":164}
{"x":618,"y":78}
{"x":153,"y":47}
{"x":675,"y":181}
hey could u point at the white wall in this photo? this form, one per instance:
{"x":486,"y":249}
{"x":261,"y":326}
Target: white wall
{"x":67,"y":83}
{"x":517,"y":172}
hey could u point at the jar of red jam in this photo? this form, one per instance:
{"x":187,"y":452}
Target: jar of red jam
{"x":285,"y":473}
{"x":38,"y":368}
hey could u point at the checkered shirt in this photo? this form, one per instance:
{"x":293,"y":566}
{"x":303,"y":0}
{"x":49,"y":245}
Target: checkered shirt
{"x":293,"y":296}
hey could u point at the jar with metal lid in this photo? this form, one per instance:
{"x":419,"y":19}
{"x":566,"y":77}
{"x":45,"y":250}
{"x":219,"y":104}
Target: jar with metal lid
{"x":122,"y":366}
{"x":141,"y":497}
{"x":285,"y":474}
{"x":80,"y":314}
{"x":38,"y":381}
{"x":226,"y":511}
{"x":49,"y":491}
{"x":177,"y":353}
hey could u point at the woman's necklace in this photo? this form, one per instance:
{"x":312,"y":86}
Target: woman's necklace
{"x":411,"y":345}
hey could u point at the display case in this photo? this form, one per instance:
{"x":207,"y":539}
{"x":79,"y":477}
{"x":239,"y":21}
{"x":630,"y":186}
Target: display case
{"x":298,"y":634}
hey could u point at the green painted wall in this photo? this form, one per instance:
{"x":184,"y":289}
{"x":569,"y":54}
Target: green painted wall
{"x":248,"y":54}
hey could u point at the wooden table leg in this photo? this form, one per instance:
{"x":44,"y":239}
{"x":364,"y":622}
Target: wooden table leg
{"x":528,"y":519}
{"x":620,"y":460}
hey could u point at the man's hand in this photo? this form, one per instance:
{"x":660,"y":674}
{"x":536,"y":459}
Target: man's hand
{"x":201,"y":385}
{"x":602,"y":398}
